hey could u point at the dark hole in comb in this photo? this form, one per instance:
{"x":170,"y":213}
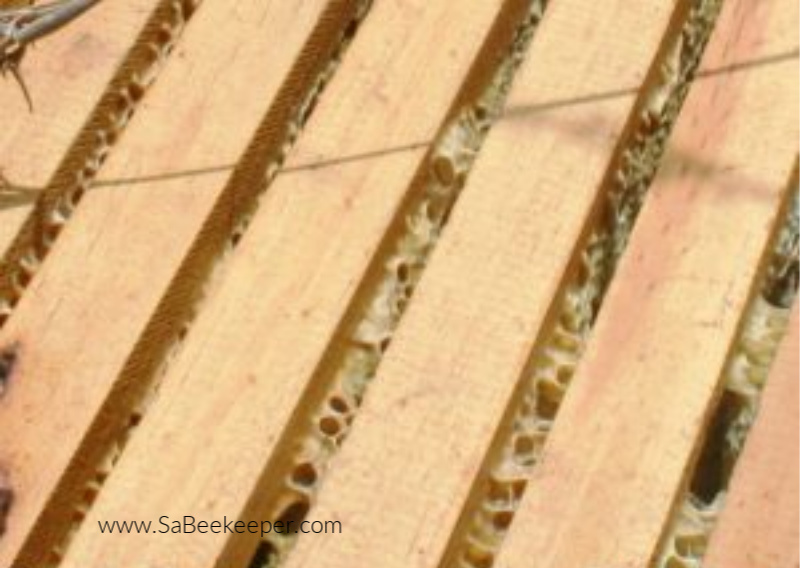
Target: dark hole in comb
{"x":714,"y":466}
{"x":7,"y":359}
{"x":6,"y":500}
{"x":295,"y":513}
{"x":265,"y":552}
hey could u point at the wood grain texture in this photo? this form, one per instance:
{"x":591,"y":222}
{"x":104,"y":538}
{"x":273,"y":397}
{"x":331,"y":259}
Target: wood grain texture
{"x":405,"y":474}
{"x":261,"y":334}
{"x":758,"y":526}
{"x":630,"y":425}
{"x":66,"y":73}
{"x":85,"y":310}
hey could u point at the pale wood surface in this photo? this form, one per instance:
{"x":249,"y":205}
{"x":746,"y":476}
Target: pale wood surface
{"x":260,"y":336}
{"x":759,"y":524}
{"x":66,"y":74}
{"x":404,"y":475}
{"x":83,"y":313}
{"x":629,"y":426}
{"x":98,"y":318}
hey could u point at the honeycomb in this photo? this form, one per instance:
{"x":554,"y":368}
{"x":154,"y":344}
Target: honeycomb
{"x":156,"y":45}
{"x":554,"y":361}
{"x":450,"y":161}
{"x":114,"y":451}
{"x":764,"y":325}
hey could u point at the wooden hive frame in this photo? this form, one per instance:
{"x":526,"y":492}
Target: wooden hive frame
{"x":487,"y":284}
